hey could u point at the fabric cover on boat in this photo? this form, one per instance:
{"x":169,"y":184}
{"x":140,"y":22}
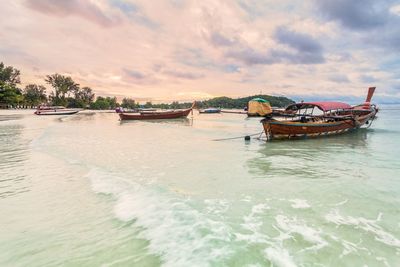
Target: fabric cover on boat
{"x":324,"y":106}
{"x":260,"y":107}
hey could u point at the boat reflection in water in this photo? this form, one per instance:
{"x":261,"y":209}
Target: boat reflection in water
{"x":313,"y":158}
{"x":178,"y":121}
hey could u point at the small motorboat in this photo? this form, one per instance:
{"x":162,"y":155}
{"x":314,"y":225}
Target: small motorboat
{"x":209,"y":111}
{"x":156,"y":115}
{"x":55,"y":110}
{"x":314,"y":119}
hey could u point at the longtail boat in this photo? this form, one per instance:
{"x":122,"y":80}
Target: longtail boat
{"x":209,"y":111}
{"x":156,"y":115}
{"x":314,"y":119}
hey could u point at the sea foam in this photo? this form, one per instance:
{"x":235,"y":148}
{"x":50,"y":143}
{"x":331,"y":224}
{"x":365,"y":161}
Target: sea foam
{"x":179,"y":234}
{"x":368,"y":225}
{"x":299,"y":204}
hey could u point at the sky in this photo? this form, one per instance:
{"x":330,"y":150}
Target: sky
{"x":191,"y":50}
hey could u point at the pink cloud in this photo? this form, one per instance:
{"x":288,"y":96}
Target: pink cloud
{"x":81,"y":8}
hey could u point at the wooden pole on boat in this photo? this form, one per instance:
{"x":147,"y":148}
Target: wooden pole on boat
{"x":371,"y":91}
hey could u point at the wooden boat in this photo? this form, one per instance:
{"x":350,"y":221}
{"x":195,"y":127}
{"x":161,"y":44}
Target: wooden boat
{"x":314,"y":119}
{"x":209,"y":111}
{"x":157,"y":115}
{"x":55,"y":110}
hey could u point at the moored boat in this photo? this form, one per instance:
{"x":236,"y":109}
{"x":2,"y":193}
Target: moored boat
{"x":55,"y":110}
{"x":232,"y":111}
{"x":209,"y":110}
{"x":314,"y":119}
{"x":156,"y":115}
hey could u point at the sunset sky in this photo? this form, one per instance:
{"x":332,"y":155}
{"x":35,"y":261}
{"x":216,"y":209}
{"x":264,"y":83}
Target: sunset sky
{"x":184,"y":50}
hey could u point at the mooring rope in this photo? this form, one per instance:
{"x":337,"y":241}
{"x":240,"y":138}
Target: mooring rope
{"x":372,"y":119}
{"x":242,"y":136}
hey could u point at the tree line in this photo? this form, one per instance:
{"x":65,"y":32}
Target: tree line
{"x":66,"y":92}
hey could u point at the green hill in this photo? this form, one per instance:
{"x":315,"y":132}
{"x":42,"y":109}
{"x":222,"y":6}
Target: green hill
{"x":240,"y":103}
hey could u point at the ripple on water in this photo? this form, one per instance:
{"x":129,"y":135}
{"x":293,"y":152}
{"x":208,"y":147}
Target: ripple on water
{"x":13,"y":152}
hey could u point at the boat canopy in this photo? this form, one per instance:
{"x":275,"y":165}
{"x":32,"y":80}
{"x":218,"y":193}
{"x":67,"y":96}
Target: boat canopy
{"x":324,"y":106}
{"x":259,"y":100}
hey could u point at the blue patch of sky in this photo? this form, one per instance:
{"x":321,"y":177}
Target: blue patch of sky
{"x":134,"y":13}
{"x":390,"y":65}
{"x":260,"y":8}
{"x":230,"y":68}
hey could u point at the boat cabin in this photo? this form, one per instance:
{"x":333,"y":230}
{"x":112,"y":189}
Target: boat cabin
{"x":315,"y":111}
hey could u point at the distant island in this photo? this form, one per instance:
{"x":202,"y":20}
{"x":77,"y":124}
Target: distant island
{"x":240,"y":103}
{"x":66,"y":92}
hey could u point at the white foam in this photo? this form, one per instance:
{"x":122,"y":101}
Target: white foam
{"x":279,"y":257}
{"x":383,"y":260}
{"x":179,"y":234}
{"x":216,"y":206}
{"x":253,"y":223}
{"x":341,"y":203}
{"x":295,"y":226}
{"x":367,"y":225}
{"x":299,"y":204}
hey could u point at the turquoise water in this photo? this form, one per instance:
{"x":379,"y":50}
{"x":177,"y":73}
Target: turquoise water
{"x":88,"y":190}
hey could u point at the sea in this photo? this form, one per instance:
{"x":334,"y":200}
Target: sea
{"x":90,"y":190}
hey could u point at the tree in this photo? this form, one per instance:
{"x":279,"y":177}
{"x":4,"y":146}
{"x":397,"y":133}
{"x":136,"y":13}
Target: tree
{"x":104,"y":103}
{"x":86,"y":95}
{"x":9,"y":93}
{"x":112,"y":102}
{"x":63,"y":86}
{"x":9,"y":75}
{"x":83,"y":98}
{"x":34,"y":94}
{"x":128,"y":103}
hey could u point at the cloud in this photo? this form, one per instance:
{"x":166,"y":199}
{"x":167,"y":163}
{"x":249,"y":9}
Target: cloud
{"x":82,"y":8}
{"x":339,"y":78}
{"x":157,"y":49}
{"x":299,"y":48}
{"x":367,"y":78}
{"x":183,"y":75}
{"x":136,"y":75}
{"x":218,"y":39}
{"x":250,"y":56}
{"x":307,"y":49}
{"x":298,"y":41}
{"x":355,"y":14}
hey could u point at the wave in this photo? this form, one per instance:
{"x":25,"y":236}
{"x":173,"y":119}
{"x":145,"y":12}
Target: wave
{"x":178,"y":233}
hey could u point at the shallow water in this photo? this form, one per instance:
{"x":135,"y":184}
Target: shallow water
{"x":88,"y":190}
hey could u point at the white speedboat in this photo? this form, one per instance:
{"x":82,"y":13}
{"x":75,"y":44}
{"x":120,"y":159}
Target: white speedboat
{"x":55,"y":110}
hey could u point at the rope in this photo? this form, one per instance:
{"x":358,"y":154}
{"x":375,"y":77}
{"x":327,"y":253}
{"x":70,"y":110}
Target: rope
{"x":372,"y":119}
{"x":231,"y":138}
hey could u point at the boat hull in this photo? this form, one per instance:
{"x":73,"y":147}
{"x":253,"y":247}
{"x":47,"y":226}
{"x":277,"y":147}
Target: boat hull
{"x":155,"y":115}
{"x":53,"y":112}
{"x":210,"y":111}
{"x":275,"y":129}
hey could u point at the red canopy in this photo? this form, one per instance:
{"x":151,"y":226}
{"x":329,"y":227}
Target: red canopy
{"x":324,"y":106}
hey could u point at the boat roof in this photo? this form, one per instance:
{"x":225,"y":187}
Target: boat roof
{"x":324,"y":105}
